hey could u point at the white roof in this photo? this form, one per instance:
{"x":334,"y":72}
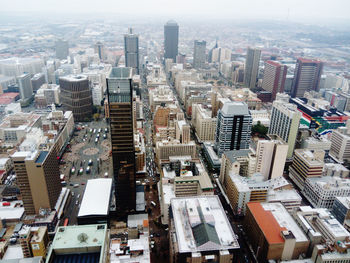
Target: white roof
{"x":13,"y":211}
{"x":96,"y":197}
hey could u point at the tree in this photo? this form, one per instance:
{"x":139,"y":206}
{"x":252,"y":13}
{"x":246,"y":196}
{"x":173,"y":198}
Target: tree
{"x":96,"y":116}
{"x":259,"y":129}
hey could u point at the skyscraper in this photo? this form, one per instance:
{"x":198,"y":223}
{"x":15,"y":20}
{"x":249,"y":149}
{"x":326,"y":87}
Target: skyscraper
{"x":251,"y":67}
{"x":62,"y":49}
{"x":171,"y":40}
{"x":25,"y":86}
{"x":100,"y":50}
{"x":210,"y":53}
{"x":76,"y":96}
{"x":38,"y":177}
{"x":131,"y":50}
{"x":285,"y":119}
{"x":119,"y":90}
{"x":307,"y":76}
{"x":234,"y":124}
{"x":274,"y":77}
{"x":199,"y":54}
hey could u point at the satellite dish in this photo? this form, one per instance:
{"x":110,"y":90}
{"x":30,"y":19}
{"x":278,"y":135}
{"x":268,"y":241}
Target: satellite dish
{"x":82,"y":237}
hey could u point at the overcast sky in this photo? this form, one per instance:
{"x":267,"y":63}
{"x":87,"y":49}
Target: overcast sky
{"x":275,"y":9}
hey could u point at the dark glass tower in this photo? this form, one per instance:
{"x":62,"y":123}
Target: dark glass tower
{"x":131,"y":50}
{"x":171,"y":40}
{"x":119,"y":90}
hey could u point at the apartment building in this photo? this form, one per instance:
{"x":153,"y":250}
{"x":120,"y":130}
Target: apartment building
{"x":203,"y":123}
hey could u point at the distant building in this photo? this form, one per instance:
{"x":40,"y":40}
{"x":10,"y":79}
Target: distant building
{"x":199,"y":55}
{"x":47,"y":95}
{"x":233,"y":127}
{"x":86,"y":242}
{"x":307,"y":76}
{"x":25,"y":86}
{"x":203,"y":123}
{"x":15,"y":66}
{"x":199,"y":230}
{"x":100,"y":50}
{"x":251,"y":67}
{"x":62,"y":49}
{"x":131,"y":51}
{"x":171,"y":40}
{"x":274,"y":78}
{"x":37,"y":80}
{"x":76,"y":96}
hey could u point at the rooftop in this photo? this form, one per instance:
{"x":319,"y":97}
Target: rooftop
{"x":74,"y":78}
{"x":121,"y":73}
{"x":96,"y":197}
{"x":201,"y":224}
{"x":235,"y":108}
{"x":345,"y":201}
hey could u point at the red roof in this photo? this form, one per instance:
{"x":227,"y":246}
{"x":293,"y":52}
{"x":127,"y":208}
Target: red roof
{"x":307,"y":60}
{"x":267,"y":223}
{"x":7,"y":98}
{"x":274,"y":63}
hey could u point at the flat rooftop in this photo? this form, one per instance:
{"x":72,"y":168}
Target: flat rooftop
{"x":96,"y":197}
{"x":201,"y":224}
{"x":121,"y":73}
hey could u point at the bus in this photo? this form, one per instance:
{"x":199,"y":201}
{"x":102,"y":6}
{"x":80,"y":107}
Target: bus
{"x":65,"y":223}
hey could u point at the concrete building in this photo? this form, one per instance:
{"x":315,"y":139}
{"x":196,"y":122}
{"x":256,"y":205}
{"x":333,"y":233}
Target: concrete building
{"x":47,"y":95}
{"x":336,"y":170}
{"x":271,"y":156}
{"x":34,"y":241}
{"x":234,"y":124}
{"x":171,"y":40}
{"x":289,"y":198}
{"x":221,"y":55}
{"x":38,"y":177}
{"x":241,"y":190}
{"x":203,"y":123}
{"x":37,"y":80}
{"x":306,"y":164}
{"x":166,"y":149}
{"x":62,"y":49}
{"x":322,"y":191}
{"x":199,"y":56}
{"x":341,"y":210}
{"x":199,"y":230}
{"x":119,"y":90}
{"x":100,"y":50}
{"x":340,"y":144}
{"x":131,"y":51}
{"x":25,"y":86}
{"x":15,"y":66}
{"x":307,"y":76}
{"x":319,"y":225}
{"x":76,"y":96}
{"x":274,"y":78}
{"x":243,"y":95}
{"x":97,"y":94}
{"x":285,"y":119}
{"x":273,"y":233}
{"x":86,"y":242}
{"x":251,"y":67}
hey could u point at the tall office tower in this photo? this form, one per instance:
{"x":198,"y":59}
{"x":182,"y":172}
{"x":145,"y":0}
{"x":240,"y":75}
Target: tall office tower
{"x":251,"y":67}
{"x":307,"y":76}
{"x":119,"y":90}
{"x":131,"y":50}
{"x":210,"y":53}
{"x":234,"y":124}
{"x":38,"y":178}
{"x":76,"y":96}
{"x":37,"y":80}
{"x":271,"y":157}
{"x":62,"y":49}
{"x":171,"y":40}
{"x":274,"y":77}
{"x":100,"y":50}
{"x":285,"y":119}
{"x":25,"y":86}
{"x":199,"y":54}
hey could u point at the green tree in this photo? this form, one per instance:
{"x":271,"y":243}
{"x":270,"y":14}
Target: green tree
{"x":259,"y":129}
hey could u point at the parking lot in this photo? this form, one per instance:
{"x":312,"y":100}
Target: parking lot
{"x":85,"y":158}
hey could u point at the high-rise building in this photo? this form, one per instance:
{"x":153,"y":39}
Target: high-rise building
{"x":119,"y":90}
{"x":25,"y":86}
{"x":210,"y":53}
{"x":199,"y":54}
{"x":271,"y":157}
{"x":285,"y":119}
{"x":340,"y":144}
{"x":251,"y":68}
{"x":171,"y":40}
{"x":131,"y":50}
{"x":274,"y":78}
{"x":37,"y":80}
{"x":38,"y":178}
{"x":62,"y":49}
{"x":76,"y":96}
{"x":234,"y":124}
{"x":100,"y":50}
{"x":307,"y":76}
